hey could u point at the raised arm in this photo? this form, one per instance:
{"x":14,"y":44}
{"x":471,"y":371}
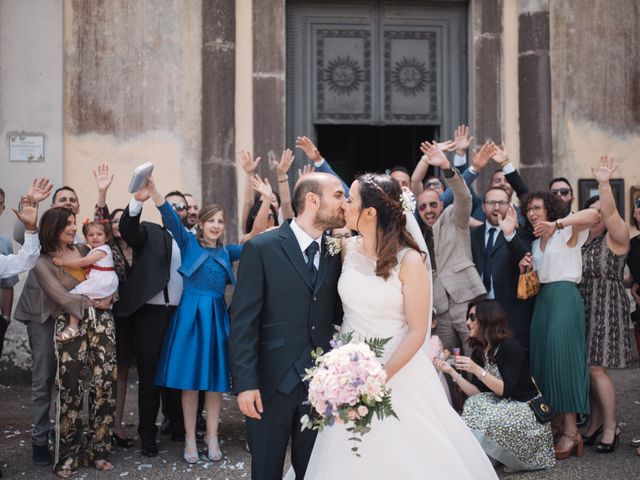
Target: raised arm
{"x":283,"y":167}
{"x":617,"y":231}
{"x":39,"y":190}
{"x":130,"y":228}
{"x":320,"y":164}
{"x":249,"y":165}
{"x":103,"y":182}
{"x":262,"y":217}
{"x":169,"y":216}
{"x":27,"y":256}
{"x":417,"y":302}
{"x":510,"y":172}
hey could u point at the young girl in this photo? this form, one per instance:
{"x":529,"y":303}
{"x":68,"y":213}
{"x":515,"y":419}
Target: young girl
{"x":101,"y":281}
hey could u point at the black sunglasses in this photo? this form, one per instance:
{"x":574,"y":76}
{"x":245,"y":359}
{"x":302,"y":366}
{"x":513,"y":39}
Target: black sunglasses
{"x":423,"y":206}
{"x":561,"y":191}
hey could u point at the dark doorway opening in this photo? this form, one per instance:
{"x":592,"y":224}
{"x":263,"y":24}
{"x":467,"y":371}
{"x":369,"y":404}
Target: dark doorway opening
{"x":355,"y":149}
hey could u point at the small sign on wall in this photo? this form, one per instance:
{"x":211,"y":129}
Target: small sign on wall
{"x":26,"y":147}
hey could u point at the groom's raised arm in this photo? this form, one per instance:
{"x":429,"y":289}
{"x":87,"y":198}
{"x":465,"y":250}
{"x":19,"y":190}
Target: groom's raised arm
{"x":244,"y":322}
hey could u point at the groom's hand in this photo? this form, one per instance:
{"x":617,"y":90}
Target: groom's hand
{"x":250,"y":403}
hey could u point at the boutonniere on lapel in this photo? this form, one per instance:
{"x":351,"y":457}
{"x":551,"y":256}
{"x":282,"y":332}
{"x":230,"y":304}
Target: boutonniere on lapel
{"x":407,"y":200}
{"x":332,"y":246}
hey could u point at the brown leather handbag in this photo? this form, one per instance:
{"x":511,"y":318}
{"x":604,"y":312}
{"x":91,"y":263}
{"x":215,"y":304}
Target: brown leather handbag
{"x":528,"y":285}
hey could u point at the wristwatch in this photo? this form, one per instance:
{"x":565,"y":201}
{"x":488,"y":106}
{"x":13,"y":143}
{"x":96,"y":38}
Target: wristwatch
{"x":450,"y":172}
{"x":559,"y":225}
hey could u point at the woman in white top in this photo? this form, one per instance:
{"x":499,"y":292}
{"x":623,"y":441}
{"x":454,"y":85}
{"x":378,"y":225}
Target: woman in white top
{"x":557,"y":340}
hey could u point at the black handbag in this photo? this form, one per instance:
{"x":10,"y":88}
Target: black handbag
{"x":542,"y":409}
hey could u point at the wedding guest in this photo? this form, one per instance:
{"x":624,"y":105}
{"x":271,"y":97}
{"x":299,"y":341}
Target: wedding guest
{"x":557,"y":336}
{"x":90,"y":355}
{"x":192,"y":213}
{"x":606,"y":308}
{"x":195,"y":353}
{"x":633,"y":282}
{"x":122,"y":259}
{"x":6,"y":282}
{"x":561,"y":187}
{"x":497,"y":410}
{"x":25,"y":259}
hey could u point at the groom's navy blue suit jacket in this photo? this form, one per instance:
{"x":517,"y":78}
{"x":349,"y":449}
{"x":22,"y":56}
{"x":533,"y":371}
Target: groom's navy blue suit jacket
{"x":277,"y":315}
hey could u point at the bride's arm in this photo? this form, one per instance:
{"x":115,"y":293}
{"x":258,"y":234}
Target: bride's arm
{"x":417,"y":302}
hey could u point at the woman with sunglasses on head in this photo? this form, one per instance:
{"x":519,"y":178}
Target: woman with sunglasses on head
{"x":606,"y":308}
{"x":500,"y":387}
{"x":194,"y":356}
{"x":122,"y":260}
{"x":557,"y":335}
{"x":633,"y":282}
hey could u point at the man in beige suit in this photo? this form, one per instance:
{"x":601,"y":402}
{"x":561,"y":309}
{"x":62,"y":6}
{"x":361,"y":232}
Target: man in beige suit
{"x":455,"y":279}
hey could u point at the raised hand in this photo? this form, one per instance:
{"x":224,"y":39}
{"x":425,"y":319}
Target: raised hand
{"x":510,"y":222}
{"x":145,"y":192}
{"x":103,"y":179}
{"x":500,"y":155}
{"x":28,"y":213}
{"x":40,"y":189}
{"x":603,"y":172}
{"x":306,"y":168}
{"x":263,"y":187}
{"x":246,"y":161}
{"x":480,"y":159}
{"x":285,"y":162}
{"x":434,"y":155}
{"x":309,"y":148}
{"x":461,"y":139}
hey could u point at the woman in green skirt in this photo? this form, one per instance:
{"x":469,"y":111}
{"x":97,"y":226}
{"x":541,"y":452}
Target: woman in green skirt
{"x":557,"y":337}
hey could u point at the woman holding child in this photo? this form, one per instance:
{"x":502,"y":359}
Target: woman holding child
{"x":92,"y":347}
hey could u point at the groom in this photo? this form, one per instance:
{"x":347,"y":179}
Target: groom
{"x":284,"y":306}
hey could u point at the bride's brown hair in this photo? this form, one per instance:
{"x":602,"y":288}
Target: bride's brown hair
{"x":382,"y":192}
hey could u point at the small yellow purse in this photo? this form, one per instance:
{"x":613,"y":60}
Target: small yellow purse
{"x":528,"y":285}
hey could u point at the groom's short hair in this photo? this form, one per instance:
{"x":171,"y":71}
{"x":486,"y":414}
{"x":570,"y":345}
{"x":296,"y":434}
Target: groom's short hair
{"x":307,"y":184}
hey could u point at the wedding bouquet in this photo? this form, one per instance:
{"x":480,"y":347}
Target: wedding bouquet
{"x":347,"y":385}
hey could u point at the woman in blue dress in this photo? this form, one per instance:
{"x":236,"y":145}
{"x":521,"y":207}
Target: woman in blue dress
{"x":195,"y":354}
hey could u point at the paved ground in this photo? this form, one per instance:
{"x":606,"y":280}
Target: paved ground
{"x":15,"y":446}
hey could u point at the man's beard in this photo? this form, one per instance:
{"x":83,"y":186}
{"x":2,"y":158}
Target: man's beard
{"x":325,"y":220}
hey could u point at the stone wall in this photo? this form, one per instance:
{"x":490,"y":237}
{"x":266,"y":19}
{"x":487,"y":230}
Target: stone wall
{"x":596,"y":87}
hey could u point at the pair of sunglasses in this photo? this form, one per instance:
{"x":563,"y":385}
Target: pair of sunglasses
{"x":423,"y":206}
{"x":178,"y":207}
{"x":561,"y":191}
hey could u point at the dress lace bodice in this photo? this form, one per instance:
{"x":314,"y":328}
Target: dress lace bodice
{"x":373,"y":307}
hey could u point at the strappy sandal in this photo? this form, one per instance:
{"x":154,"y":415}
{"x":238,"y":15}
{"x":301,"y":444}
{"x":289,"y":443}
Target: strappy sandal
{"x":69,"y":333}
{"x":103,"y":465}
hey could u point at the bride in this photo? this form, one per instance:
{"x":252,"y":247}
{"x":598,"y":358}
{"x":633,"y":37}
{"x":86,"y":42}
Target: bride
{"x":385,"y":289}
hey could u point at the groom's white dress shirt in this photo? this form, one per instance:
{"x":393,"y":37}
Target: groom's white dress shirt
{"x":304,"y":240}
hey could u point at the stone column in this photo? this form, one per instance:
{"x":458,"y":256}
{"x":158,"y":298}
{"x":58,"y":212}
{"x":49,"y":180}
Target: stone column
{"x":534,"y":100}
{"x":268,"y":83}
{"x":487,"y":83}
{"x":218,"y":107}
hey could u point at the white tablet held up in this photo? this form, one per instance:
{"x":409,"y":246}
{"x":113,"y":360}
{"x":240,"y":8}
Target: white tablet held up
{"x":140,"y":176}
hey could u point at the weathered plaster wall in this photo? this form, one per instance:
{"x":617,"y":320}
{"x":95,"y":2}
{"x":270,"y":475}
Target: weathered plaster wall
{"x":596,"y":87}
{"x":132,"y":89}
{"x":30,"y":100}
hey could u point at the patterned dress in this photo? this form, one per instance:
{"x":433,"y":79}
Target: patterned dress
{"x":606,"y":305}
{"x":508,"y":429}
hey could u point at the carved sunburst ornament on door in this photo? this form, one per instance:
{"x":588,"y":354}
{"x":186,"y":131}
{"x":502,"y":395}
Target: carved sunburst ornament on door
{"x":410,"y":76}
{"x":344,"y":75}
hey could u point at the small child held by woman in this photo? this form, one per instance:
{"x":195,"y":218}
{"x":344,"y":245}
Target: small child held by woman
{"x":101,"y":281}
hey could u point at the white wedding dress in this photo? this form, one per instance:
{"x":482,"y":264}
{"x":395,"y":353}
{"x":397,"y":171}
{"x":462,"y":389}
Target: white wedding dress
{"x":429,"y":440}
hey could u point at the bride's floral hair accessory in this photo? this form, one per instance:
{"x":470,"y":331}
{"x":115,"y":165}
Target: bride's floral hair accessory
{"x":407,"y":200}
{"x":333,"y":246}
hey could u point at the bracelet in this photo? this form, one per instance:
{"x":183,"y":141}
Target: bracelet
{"x":456,"y":380}
{"x":285,"y":179}
{"x":424,"y":159}
{"x":504,"y":163}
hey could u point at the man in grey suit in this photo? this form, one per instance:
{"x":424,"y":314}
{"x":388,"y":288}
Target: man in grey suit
{"x":455,"y":279}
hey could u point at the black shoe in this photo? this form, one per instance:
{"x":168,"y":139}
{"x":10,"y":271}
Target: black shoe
{"x":149,"y":447}
{"x":591,"y":439}
{"x":165,"y":428}
{"x":608,"y":447}
{"x":41,"y":455}
{"x":122,"y":442}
